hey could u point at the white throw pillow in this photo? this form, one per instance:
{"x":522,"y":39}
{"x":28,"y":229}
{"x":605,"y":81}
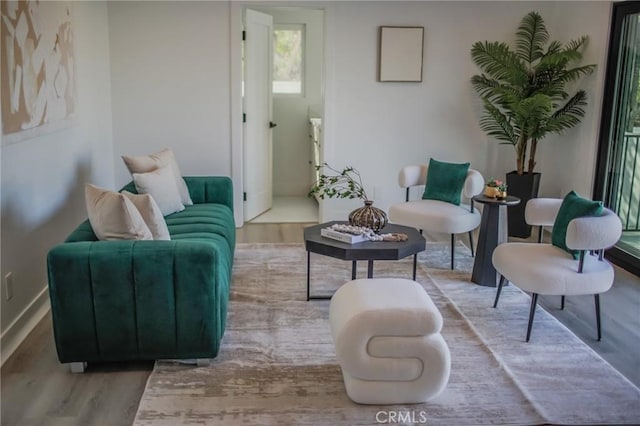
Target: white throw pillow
{"x":151,"y":214}
{"x":161,"y":185}
{"x":149,"y":163}
{"x":113,"y":216}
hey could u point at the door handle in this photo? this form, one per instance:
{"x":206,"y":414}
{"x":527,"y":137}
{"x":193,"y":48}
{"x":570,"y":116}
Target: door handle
{"x":272,"y":124}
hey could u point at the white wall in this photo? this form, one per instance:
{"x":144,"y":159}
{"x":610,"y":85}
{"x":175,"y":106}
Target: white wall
{"x":379,"y":127}
{"x":568,"y":161}
{"x":43,"y":179}
{"x":170,"y":83}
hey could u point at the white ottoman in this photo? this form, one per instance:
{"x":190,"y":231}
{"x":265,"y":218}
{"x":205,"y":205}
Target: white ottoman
{"x":386,"y":332}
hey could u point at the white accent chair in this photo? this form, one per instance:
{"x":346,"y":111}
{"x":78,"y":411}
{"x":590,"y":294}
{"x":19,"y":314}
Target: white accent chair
{"x":541,"y":212}
{"x":549,"y":270}
{"x":435,"y":215}
{"x":386,"y":333}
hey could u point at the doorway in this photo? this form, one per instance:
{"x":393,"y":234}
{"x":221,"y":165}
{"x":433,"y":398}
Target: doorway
{"x":296,"y":121}
{"x":618,"y":168}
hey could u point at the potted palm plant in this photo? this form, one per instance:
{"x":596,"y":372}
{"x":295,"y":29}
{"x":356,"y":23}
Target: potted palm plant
{"x":525,"y":97}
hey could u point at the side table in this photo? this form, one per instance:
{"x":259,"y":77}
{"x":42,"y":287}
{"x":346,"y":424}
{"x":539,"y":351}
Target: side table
{"x":493,"y":231}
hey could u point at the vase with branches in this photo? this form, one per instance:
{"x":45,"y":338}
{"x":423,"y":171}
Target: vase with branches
{"x":347,"y":183}
{"x":524,"y":91}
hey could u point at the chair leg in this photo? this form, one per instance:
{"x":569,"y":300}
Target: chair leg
{"x":471,"y":242}
{"x":532,"y":312}
{"x":540,"y":234}
{"x":500,"y":284}
{"x":562,"y":304}
{"x":598,"y":324}
{"x":453,"y":242}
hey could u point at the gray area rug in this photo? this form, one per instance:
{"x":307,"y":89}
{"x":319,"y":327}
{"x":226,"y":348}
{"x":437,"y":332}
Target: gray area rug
{"x":277,"y":364}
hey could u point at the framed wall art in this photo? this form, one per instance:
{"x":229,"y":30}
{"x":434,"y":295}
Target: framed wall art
{"x":400,"y":54}
{"x":38,"y":85}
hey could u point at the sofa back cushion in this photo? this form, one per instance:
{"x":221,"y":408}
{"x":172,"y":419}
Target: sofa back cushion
{"x":161,"y":185}
{"x":113,"y":216}
{"x":150,"y":213}
{"x":149,"y":163}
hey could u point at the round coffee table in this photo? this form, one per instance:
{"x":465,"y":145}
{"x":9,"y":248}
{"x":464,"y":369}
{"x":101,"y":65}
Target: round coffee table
{"x":368,"y":250}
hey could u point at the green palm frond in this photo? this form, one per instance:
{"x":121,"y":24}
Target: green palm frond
{"x":497,"y":124}
{"x":569,"y":115}
{"x":484,"y":85}
{"x":575,"y":74}
{"x":577,"y":44}
{"x":496,"y":59}
{"x":531,"y":110}
{"x":554,"y":47}
{"x":531,"y":37}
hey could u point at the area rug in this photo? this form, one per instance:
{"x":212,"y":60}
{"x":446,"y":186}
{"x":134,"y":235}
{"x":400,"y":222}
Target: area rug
{"x":277,"y":364}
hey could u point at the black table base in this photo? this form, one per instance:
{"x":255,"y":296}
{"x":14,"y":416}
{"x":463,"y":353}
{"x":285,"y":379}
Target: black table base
{"x":493,"y":231}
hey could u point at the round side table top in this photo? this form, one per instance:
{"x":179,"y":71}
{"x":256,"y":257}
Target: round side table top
{"x":509,"y":201}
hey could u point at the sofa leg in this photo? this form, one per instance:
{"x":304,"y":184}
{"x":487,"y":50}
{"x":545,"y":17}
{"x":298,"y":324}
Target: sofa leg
{"x":77,"y":367}
{"x":203,"y":362}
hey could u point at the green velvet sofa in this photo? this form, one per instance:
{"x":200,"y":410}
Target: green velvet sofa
{"x":146,"y":300}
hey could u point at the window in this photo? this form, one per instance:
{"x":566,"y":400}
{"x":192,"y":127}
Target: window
{"x":288,"y":70}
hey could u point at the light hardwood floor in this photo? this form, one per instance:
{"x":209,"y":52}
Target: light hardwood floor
{"x":37,"y":390}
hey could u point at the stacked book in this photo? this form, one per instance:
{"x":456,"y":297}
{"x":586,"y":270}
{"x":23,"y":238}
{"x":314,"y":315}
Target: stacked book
{"x":343,"y":236}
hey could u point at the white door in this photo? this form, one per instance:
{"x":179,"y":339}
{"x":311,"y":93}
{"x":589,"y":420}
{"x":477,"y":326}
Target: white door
{"x":258,"y":107}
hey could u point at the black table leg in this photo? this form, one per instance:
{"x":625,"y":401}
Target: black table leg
{"x":354,"y":267}
{"x":309,"y":296}
{"x":308,"y":272}
{"x":490,"y":236}
{"x":415,"y":263}
{"x":370,"y":269}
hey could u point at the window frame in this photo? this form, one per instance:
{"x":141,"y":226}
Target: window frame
{"x":303,"y":62}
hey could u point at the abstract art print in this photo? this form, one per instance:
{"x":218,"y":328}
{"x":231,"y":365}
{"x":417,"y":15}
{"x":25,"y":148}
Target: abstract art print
{"x":37,"y":68}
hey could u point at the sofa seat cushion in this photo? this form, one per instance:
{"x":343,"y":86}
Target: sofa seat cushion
{"x":435,"y":216}
{"x":520,"y":264}
{"x":203,"y":221}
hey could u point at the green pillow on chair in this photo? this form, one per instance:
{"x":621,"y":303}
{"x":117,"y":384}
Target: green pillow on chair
{"x":573,"y":206}
{"x":445,"y":181}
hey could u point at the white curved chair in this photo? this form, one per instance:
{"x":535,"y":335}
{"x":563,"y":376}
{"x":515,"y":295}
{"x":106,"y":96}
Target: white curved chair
{"x":542,"y":212}
{"x":549,"y":270}
{"x":435,"y":215}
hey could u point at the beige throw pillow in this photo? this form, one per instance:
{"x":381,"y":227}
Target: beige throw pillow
{"x":151,"y":214}
{"x":113,"y":216}
{"x":161,"y":185}
{"x":149,"y":163}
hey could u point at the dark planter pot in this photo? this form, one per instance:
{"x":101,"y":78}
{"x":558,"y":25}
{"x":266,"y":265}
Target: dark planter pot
{"x":524,"y":187}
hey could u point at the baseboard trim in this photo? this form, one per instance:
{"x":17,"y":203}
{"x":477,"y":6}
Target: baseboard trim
{"x":20,"y":328}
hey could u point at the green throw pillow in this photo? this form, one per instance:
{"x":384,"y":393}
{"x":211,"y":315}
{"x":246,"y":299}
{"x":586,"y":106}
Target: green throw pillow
{"x":573,"y":206}
{"x":445,"y":181}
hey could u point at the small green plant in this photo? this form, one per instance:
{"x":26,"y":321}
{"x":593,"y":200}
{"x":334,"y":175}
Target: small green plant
{"x":338,"y":184}
{"x":497,"y":183}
